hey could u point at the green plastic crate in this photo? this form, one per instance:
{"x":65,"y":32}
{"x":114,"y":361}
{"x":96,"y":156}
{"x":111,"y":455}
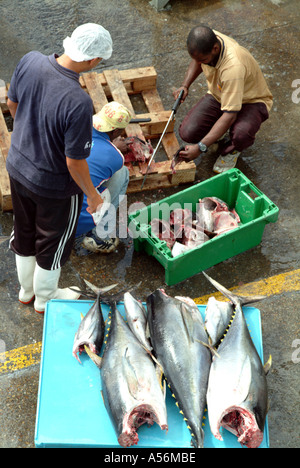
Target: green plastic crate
{"x":253,"y":207}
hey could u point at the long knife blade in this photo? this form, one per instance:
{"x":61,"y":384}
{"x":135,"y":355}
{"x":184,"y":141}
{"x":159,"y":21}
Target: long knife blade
{"x":174,"y":109}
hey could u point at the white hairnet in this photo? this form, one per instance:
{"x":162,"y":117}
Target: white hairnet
{"x":87,"y":42}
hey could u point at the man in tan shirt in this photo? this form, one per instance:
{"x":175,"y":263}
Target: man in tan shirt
{"x":238,"y":98}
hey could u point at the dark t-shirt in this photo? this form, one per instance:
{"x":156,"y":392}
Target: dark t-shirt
{"x":53,"y":120}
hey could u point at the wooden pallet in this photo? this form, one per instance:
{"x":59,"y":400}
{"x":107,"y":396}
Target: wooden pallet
{"x":119,"y":86}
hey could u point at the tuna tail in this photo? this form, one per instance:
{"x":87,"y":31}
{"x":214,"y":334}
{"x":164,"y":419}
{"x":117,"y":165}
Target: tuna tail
{"x":235,"y":299}
{"x":268,"y":365}
{"x":95,"y":290}
{"x":113,"y":299}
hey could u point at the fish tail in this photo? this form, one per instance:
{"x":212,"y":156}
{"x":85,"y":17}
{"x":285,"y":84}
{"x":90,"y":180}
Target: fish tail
{"x":210,"y":347}
{"x":97,"y":290}
{"x":234,"y":298}
{"x":268,"y":365}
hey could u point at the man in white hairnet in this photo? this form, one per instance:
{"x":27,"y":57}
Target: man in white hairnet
{"x":46,"y":162}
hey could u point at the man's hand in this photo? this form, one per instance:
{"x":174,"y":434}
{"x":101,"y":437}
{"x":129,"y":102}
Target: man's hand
{"x":177,"y":92}
{"x":190,"y":152}
{"x":94,"y":202}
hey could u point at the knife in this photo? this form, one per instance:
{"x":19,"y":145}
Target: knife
{"x":174,"y":110}
{"x":137,"y":120}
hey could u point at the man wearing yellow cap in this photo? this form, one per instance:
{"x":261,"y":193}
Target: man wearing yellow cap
{"x":109,"y":176}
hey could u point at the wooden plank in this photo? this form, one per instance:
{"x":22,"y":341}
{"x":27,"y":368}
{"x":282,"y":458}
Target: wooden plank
{"x":155,"y":171}
{"x":154,"y":104}
{"x":3,"y":96}
{"x":135,"y":80}
{"x":94,"y":87}
{"x":158,"y":122}
{"x":4,"y":136}
{"x":119,"y":94}
{"x":139,"y":79}
{"x":5,"y":195}
{"x":184,"y":172}
{"x":163,"y":181}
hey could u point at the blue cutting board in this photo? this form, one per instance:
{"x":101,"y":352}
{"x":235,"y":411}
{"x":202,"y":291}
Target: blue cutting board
{"x":70,"y":409}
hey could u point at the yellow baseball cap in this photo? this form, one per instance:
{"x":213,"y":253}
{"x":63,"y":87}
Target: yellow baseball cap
{"x":113,"y":115}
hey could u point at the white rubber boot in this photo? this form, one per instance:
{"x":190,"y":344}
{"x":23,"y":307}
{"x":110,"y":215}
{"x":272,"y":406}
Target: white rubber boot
{"x":25,"y":270}
{"x":45,"y":285}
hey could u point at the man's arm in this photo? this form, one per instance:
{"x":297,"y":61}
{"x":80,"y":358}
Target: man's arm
{"x":217,"y":131}
{"x":12,"y":106}
{"x":192,"y":73}
{"x":80,"y":173}
{"x":220,"y":127}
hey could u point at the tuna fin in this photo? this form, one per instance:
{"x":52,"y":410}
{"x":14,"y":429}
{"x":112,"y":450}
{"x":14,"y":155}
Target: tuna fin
{"x":165,"y":390}
{"x":131,"y":377}
{"x":82,"y":293}
{"x":160,"y":377}
{"x":147,"y":333}
{"x":154,"y":359}
{"x":268,"y":365}
{"x":241,"y":383}
{"x":151,"y":355}
{"x":235,"y":299}
{"x":187,"y":321}
{"x":210,"y":347}
{"x":94,"y":357}
{"x":114,"y":298}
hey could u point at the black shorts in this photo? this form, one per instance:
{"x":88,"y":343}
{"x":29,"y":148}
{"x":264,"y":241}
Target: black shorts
{"x":43,"y":227}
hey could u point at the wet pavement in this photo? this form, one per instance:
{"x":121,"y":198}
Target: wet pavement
{"x":142,"y":37}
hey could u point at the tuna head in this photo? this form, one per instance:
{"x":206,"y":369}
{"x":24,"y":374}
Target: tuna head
{"x":90,"y":331}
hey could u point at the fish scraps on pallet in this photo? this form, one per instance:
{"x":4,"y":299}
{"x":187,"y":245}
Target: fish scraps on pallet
{"x":138,"y":150}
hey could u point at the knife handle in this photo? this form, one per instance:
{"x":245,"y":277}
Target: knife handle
{"x":137,"y":120}
{"x":177,"y":102}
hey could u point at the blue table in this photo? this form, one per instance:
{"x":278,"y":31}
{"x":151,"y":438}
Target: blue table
{"x":71,"y":412}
